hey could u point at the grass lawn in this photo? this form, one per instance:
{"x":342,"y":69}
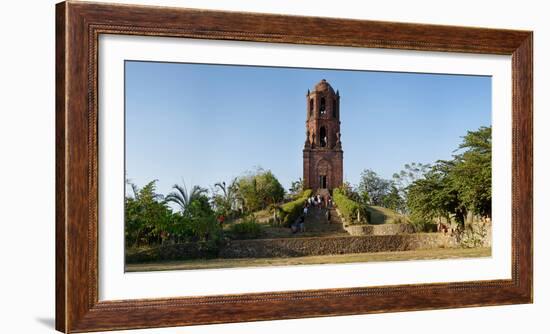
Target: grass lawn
{"x":425,"y":254}
{"x":380,"y":215}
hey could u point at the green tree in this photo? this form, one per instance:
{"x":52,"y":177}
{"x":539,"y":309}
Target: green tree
{"x":434,"y":195}
{"x":410,"y":173}
{"x":372,"y":188}
{"x":472,"y":173}
{"x":454,"y":188}
{"x":259,"y":189}
{"x":146,"y":215}
{"x":226,"y":198}
{"x":296,"y":187}
{"x":201,"y":220}
{"x":393,"y":200}
{"x":348,"y":190}
{"x":196,"y":220}
{"x":182,"y":197}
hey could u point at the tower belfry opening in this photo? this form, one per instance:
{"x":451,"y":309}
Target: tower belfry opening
{"x":323,"y":136}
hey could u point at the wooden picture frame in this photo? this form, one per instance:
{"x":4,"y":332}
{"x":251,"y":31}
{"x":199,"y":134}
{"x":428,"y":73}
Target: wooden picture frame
{"x":78,"y":26}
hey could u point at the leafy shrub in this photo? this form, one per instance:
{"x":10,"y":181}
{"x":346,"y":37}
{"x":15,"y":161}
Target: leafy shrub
{"x":348,"y":208}
{"x":146,"y":216}
{"x":248,"y":229}
{"x":292,"y":210}
{"x":399,"y":220}
{"x":197,"y":223}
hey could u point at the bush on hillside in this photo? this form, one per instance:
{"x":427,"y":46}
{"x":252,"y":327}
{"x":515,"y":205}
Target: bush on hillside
{"x":248,"y":229}
{"x":259,"y":189}
{"x":349,"y":208}
{"x":291,"y":211}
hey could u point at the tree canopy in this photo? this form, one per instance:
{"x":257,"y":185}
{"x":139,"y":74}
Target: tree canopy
{"x":259,"y":189}
{"x":149,"y":220}
{"x":146,"y":215}
{"x":458,"y":186}
{"x":198,"y":214}
{"x":375,"y":190}
{"x":447,"y":188}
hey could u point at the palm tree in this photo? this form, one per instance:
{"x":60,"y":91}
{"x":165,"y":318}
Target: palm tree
{"x":147,"y":190}
{"x":229,"y":196}
{"x":184,"y":198}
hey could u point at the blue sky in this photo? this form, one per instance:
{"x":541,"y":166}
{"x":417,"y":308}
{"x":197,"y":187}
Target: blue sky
{"x":209,"y":123}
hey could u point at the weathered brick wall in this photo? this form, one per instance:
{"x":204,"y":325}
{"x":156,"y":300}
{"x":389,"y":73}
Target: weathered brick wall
{"x":313,"y":158}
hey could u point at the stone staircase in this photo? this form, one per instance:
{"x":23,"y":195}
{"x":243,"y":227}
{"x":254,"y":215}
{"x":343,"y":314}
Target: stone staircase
{"x":335,"y":217}
{"x":316,"y":222}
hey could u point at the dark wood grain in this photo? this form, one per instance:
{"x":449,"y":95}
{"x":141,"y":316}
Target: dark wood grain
{"x":78,"y":27}
{"x":60,"y":99}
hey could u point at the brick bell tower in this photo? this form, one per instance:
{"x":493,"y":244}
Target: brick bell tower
{"x":323,"y":154}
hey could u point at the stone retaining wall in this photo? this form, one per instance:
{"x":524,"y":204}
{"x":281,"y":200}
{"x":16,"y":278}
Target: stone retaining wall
{"x":385,"y":229}
{"x":187,"y":251}
{"x":295,"y":247}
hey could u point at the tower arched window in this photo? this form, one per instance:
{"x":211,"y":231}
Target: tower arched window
{"x":322,"y":106}
{"x":334,"y":106}
{"x":323,"y":136}
{"x":310,"y":107}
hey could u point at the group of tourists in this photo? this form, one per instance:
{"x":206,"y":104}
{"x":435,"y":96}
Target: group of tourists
{"x":317,"y":201}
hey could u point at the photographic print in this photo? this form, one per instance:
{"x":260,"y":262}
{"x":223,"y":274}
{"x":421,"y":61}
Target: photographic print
{"x":244,"y":166}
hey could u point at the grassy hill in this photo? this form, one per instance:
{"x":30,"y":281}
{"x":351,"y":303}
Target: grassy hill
{"x":380,"y":215}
